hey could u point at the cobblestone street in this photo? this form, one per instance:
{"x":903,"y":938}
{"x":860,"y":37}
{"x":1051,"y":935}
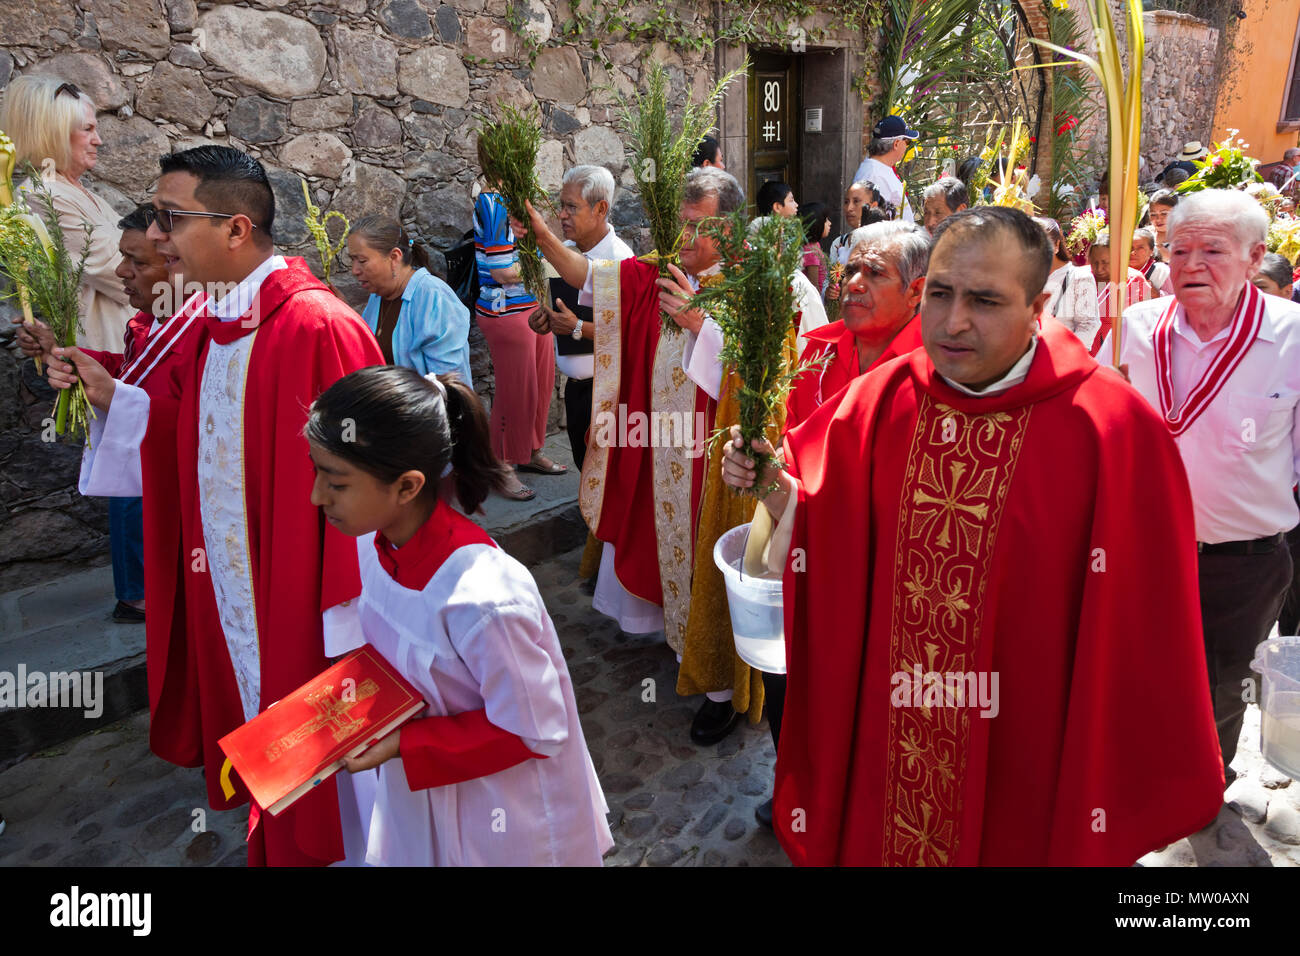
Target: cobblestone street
{"x":104,"y":800}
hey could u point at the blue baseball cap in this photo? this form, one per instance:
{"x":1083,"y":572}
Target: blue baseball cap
{"x":893,"y":126}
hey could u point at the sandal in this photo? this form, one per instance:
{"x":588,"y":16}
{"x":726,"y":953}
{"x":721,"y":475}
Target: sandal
{"x":523,"y":494}
{"x":532,"y":466}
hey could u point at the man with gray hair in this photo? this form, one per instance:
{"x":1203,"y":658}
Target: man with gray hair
{"x":883,"y":284}
{"x":586,"y":196}
{"x":941,"y":199}
{"x":890,"y":141}
{"x":1220,"y":361}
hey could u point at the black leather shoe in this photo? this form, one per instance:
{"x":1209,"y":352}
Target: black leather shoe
{"x":763,"y":813}
{"x":713,"y":722}
{"x":126,"y":614}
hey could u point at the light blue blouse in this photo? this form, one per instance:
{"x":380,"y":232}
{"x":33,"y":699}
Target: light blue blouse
{"x":432,"y":331}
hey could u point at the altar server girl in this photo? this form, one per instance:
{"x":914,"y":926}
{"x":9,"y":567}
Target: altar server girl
{"x":496,"y":771}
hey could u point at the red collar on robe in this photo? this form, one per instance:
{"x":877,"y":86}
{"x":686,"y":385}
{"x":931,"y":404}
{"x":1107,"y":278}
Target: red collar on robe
{"x":137,"y":334}
{"x":1062,"y":364}
{"x":838,"y":336}
{"x":275,"y":290}
{"x":814,"y":388}
{"x":414,"y":564}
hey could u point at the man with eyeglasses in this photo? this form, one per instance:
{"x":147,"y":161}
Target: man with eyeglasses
{"x":586,"y":196}
{"x":267,"y":587}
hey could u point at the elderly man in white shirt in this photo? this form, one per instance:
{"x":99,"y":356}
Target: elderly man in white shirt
{"x":890,"y":141}
{"x":1221,"y":361}
{"x":586,"y":197}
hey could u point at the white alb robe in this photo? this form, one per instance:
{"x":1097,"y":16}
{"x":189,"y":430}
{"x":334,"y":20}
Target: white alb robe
{"x":478,"y":637}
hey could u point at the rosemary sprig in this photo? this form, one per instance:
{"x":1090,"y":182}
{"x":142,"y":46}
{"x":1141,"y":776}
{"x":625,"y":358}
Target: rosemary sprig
{"x":660,"y":155}
{"x":34,"y":256}
{"x":510,"y":146}
{"x":752,"y":300}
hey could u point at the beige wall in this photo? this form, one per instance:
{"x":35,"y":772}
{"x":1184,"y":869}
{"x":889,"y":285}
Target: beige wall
{"x":1254,"y":78}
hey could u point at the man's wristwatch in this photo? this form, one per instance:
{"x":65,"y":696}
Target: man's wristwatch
{"x":577,"y":332}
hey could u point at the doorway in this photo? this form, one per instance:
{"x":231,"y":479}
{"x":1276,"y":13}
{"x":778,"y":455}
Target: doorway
{"x":774,"y":95}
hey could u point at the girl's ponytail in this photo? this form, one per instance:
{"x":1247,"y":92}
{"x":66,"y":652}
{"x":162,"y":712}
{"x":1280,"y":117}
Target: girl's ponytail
{"x":476,"y":470}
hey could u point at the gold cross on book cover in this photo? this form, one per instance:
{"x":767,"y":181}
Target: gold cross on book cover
{"x":301,"y":739}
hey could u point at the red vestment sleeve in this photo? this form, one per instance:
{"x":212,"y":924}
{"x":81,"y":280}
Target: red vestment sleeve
{"x":347,"y":347}
{"x":439,"y":751}
{"x":112,"y":361}
{"x":175,"y":721}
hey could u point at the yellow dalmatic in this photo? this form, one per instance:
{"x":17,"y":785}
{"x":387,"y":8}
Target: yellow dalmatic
{"x":709,"y":659}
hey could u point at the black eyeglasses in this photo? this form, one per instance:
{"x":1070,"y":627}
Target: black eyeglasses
{"x":69,"y":88}
{"x":163,"y":217}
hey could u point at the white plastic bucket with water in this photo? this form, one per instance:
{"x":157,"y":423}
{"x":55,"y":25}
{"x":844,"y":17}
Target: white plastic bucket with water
{"x":755,"y":603}
{"x":1278,"y":663}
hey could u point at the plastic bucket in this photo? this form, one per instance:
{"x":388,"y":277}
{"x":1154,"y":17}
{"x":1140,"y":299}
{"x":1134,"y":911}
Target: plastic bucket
{"x":1278,"y":663}
{"x":756,"y":606}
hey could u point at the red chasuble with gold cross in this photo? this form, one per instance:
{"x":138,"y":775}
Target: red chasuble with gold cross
{"x":994,"y":636}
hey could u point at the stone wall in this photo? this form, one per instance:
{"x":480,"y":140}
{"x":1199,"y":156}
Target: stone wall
{"x":373,"y":102}
{"x":1180,"y":81}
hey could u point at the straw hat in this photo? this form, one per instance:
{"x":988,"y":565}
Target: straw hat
{"x":1193,"y":150}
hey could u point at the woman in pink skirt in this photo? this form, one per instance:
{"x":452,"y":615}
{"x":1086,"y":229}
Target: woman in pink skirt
{"x":524,"y":361}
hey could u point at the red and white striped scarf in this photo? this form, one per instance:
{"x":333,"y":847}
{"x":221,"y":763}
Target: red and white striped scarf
{"x":1246,"y":323}
{"x":136,"y":368}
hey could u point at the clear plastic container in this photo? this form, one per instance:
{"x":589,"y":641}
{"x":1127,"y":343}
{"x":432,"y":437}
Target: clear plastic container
{"x":756,"y":606}
{"x":1278,"y":662}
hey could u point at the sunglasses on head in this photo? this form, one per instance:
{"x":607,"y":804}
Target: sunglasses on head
{"x":165,"y":222}
{"x":71,"y":89}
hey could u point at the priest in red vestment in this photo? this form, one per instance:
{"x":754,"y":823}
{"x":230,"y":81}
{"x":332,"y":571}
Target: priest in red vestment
{"x":881,"y":294}
{"x":986,"y":666}
{"x":268,"y":586}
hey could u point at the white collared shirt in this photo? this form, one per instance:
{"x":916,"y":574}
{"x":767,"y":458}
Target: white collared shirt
{"x":1015,"y":375}
{"x":1242,"y":454}
{"x":609,"y":247}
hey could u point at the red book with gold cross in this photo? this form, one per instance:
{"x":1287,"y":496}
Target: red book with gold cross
{"x":302,"y":739}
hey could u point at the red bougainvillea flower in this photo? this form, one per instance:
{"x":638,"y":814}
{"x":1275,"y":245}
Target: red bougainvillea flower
{"x":1070,"y":123}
